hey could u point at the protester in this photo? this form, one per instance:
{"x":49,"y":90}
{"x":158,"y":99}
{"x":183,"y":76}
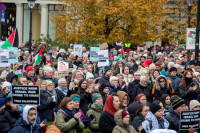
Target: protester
{"x":124,"y":99}
{"x":122,"y":122}
{"x":106,"y":122}
{"x":166,"y":101}
{"x":5,"y":89}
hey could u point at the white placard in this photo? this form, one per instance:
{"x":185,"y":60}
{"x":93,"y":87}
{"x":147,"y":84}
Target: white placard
{"x":4,"y":57}
{"x":77,"y":49}
{"x":191,"y":38}
{"x":63,"y":67}
{"x":103,"y":59}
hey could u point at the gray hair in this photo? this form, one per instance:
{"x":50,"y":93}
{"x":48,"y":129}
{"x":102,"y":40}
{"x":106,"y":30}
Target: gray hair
{"x":142,"y":78}
{"x":113,"y":78}
{"x":46,"y":69}
{"x":170,"y":63}
{"x":177,"y":65}
{"x":61,"y":80}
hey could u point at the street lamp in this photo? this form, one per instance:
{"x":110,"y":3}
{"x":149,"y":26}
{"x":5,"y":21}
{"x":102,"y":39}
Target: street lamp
{"x":189,"y":3}
{"x":31,"y":4}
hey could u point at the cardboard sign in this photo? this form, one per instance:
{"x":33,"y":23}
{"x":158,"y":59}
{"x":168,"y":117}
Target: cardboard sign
{"x":191,"y":38}
{"x":13,"y":55}
{"x":28,"y":95}
{"x":103,"y":59}
{"x":4,"y":57}
{"x":94,"y":53}
{"x":77,"y":49}
{"x":63,"y":67}
{"x":103,"y":46}
{"x":190,"y":119}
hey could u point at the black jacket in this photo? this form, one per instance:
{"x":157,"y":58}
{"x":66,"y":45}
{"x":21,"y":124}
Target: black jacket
{"x":60,"y":97}
{"x":106,"y":123}
{"x":132,"y":108}
{"x":5,"y":121}
{"x":145,"y":90}
{"x":105,"y":80}
{"x":131,"y":87}
{"x":85,"y":100}
{"x":29,"y":78}
{"x":158,"y":93}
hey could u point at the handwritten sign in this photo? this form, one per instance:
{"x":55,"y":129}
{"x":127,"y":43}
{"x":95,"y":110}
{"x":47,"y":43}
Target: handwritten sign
{"x":94,"y":53}
{"x":103,"y":59}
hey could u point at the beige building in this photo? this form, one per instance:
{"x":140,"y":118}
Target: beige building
{"x":41,"y":24}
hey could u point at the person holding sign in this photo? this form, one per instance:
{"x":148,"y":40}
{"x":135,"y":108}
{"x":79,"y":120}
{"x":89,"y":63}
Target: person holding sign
{"x":173,"y":117}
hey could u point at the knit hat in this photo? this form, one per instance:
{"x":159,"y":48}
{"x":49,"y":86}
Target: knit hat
{"x":157,"y":64}
{"x":2,"y":101}
{"x":139,"y":96}
{"x":89,"y":75}
{"x":103,"y":86}
{"x":75,"y":98}
{"x":125,"y":113}
{"x":61,"y":51}
{"x":95,"y":96}
{"x":172,"y":69}
{"x":49,"y":82}
{"x":152,"y":67}
{"x":194,"y":103}
{"x":6,"y":84}
{"x":154,"y":107}
{"x":164,"y":73}
{"x":176,"y":101}
{"x":29,"y":68}
{"x":107,"y":69}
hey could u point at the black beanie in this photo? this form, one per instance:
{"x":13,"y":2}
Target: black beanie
{"x":176,"y":102}
{"x":103,"y":86}
{"x":172,"y":69}
{"x":154,"y":107}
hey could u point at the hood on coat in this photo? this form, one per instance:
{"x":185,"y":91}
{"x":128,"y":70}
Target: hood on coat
{"x":118,"y":118}
{"x":25,"y":113}
{"x":10,"y":76}
{"x":157,"y":82}
{"x":121,"y":95}
{"x":95,"y":107}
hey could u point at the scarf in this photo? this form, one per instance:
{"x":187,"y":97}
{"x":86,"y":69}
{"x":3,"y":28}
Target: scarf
{"x":109,"y":107}
{"x":63,"y":90}
{"x":69,"y":114}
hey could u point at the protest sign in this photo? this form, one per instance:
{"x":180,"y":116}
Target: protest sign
{"x":77,"y":49}
{"x":103,"y":59}
{"x":63,"y":67}
{"x":119,"y":44}
{"x":190,"y":119}
{"x":4,"y":57}
{"x":191,"y":38}
{"x":13,"y":55}
{"x":103,"y":46}
{"x":25,"y":95}
{"x":94,"y":53}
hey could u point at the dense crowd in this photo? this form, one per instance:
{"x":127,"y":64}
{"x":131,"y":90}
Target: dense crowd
{"x":142,"y":91}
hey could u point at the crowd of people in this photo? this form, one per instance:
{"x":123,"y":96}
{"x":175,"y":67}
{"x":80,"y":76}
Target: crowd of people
{"x":143,"y":91}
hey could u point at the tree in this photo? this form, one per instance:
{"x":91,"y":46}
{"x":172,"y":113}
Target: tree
{"x":133,"y":21}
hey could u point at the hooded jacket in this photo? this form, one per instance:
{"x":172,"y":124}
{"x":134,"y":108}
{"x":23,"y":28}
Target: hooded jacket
{"x":5,"y":121}
{"x":121,"y":95}
{"x":96,"y":111}
{"x":23,"y":122}
{"x":106,"y":122}
{"x":120,"y":126}
{"x":159,"y":91}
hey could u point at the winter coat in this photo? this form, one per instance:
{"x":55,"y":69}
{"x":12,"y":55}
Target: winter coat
{"x":29,"y":78}
{"x":131,"y":87}
{"x":151,"y":123}
{"x":70,"y":126}
{"x":159,"y":91}
{"x":55,"y":82}
{"x":120,"y":126}
{"x":105,"y":80}
{"x":26,"y":128}
{"x":174,"y":80}
{"x":5,"y":121}
{"x":145,"y":90}
{"x":174,"y":120}
{"x":106,"y":123}
{"x":96,"y":112}
{"x":85,"y":100}
{"x":137,"y":122}
{"x":188,"y":95}
{"x":59,"y":99}
{"x":113,"y":89}
{"x":77,"y":63}
{"x":132,"y":108}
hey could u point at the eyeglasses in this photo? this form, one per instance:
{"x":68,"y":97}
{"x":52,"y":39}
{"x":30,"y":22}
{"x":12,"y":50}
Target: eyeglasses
{"x":161,"y":81}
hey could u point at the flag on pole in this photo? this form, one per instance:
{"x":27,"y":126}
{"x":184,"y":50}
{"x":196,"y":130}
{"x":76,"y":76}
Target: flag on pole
{"x":20,"y":71}
{"x":121,"y":54}
{"x":12,"y":40}
{"x":38,"y":56}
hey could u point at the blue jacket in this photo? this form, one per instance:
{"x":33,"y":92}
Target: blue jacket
{"x":25,"y":127}
{"x":174,"y":80}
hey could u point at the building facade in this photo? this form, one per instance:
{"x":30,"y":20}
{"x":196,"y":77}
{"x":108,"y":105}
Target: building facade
{"x":17,"y":14}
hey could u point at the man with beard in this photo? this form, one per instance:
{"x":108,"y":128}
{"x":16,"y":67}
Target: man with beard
{"x":27,"y":124}
{"x":131,"y":85}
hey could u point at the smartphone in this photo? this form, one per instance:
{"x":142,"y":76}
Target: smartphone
{"x":45,"y":121}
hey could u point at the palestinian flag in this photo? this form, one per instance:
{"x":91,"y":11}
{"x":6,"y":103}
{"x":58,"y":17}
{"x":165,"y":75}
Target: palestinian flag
{"x":121,"y":54}
{"x":38,"y":56}
{"x":12,"y":40}
{"x":20,"y":71}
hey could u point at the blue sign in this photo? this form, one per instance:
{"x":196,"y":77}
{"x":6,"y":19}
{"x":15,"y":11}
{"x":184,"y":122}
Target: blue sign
{"x":2,"y":7}
{"x":3,"y":16}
